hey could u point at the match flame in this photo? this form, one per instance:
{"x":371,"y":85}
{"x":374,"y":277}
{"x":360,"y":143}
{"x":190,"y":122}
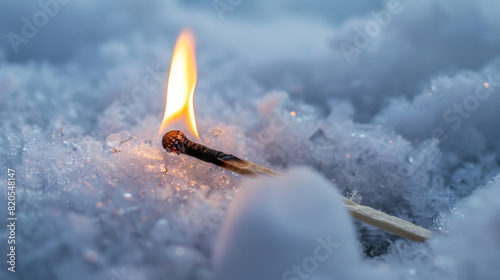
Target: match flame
{"x":179,"y":109}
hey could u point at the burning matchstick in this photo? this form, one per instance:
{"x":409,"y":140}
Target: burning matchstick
{"x":176,"y":142}
{"x":179,"y":111}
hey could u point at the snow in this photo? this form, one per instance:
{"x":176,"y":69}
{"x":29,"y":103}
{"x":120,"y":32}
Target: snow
{"x":468,"y":249}
{"x":275,"y":225}
{"x":409,"y":127}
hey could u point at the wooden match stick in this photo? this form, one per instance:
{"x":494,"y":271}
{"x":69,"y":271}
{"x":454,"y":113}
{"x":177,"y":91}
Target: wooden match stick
{"x":176,"y":142}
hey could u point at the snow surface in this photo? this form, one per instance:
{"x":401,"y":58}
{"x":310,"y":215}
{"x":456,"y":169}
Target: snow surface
{"x":409,"y":127}
{"x":275,"y":225}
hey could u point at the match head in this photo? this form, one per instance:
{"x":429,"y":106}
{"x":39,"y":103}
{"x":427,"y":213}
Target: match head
{"x":175,"y":141}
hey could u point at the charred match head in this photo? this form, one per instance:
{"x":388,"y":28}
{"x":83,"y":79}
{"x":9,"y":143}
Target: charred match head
{"x":175,"y":141}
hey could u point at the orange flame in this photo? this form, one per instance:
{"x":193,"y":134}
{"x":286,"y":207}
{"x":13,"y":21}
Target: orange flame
{"x":179,"y":109}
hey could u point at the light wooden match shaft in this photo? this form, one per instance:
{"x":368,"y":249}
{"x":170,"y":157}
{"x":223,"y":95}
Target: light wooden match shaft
{"x":175,"y":141}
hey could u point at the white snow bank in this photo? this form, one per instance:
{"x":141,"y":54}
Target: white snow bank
{"x":289,"y":227}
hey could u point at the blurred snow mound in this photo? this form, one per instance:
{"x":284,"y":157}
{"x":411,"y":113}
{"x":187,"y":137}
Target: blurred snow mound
{"x":280,"y":228}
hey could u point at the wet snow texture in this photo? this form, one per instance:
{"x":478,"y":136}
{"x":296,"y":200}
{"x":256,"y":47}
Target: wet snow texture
{"x":410,"y":126}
